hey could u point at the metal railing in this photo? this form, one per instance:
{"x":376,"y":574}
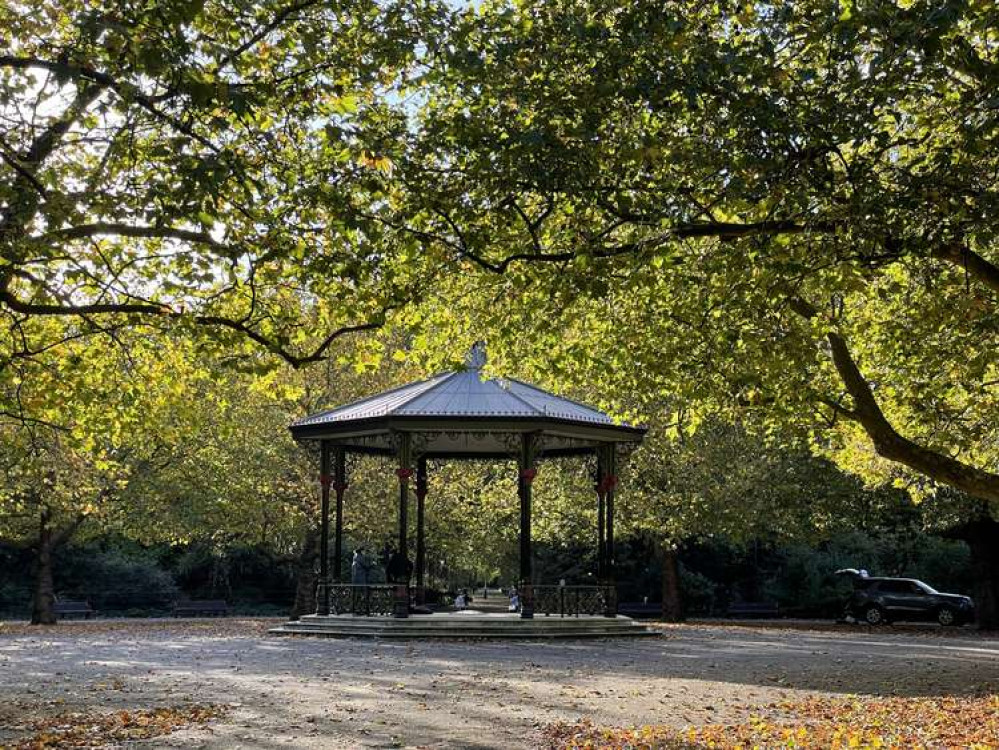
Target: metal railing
{"x":573,"y":601}
{"x":392,"y":599}
{"x":365,"y":600}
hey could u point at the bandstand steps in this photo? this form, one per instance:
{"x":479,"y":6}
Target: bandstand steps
{"x":443,"y":626}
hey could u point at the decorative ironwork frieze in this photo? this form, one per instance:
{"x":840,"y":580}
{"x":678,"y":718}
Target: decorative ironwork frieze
{"x":511,"y":442}
{"x":420,"y":441}
{"x":395,"y":440}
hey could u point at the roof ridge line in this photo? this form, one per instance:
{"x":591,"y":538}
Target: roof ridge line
{"x":558,"y":395}
{"x":373,"y":396}
{"x":524,"y":401}
{"x":444,"y":377}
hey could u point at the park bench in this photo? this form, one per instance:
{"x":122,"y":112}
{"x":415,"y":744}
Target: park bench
{"x":203,"y":608}
{"x":752,"y":609}
{"x":67,"y":608}
{"x":640,"y":609}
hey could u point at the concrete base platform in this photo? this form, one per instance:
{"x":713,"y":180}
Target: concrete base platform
{"x":465,"y":624}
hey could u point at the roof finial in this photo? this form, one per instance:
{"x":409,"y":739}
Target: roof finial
{"x":476,"y":357}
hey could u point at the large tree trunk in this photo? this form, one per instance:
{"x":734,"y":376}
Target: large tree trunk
{"x":672,"y":600}
{"x":43,"y":595}
{"x":306,"y":576}
{"x":982,"y":536}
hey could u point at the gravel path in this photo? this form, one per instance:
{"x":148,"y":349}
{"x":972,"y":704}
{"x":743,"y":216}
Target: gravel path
{"x":312,"y":693}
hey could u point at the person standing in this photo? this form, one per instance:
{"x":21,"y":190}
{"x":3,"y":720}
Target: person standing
{"x":398,"y":568}
{"x":359,"y":567}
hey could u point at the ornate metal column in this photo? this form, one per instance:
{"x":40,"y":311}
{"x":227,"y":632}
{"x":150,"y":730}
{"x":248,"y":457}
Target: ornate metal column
{"x":323,"y":589}
{"x":404,"y":472}
{"x":421,"y":552}
{"x":340,"y":487}
{"x":610,"y":483}
{"x":525,"y":478}
{"x":601,"y":536}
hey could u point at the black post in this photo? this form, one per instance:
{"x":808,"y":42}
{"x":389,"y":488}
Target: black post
{"x":323,"y":598}
{"x":610,"y":482}
{"x":340,"y":485}
{"x":404,"y":472}
{"x":525,"y":478}
{"x":601,"y":538}
{"x":421,"y":551}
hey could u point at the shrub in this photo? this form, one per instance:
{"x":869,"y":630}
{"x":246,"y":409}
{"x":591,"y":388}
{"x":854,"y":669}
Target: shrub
{"x":114,"y":581}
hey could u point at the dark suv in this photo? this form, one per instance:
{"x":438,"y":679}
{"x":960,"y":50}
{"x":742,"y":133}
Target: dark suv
{"x":877,"y":601}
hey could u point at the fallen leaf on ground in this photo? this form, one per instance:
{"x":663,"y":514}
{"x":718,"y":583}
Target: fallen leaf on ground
{"x":811,"y":724}
{"x":92,"y":729}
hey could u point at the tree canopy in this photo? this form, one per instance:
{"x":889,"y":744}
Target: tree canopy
{"x":785,"y":210}
{"x":205,"y":163}
{"x":776,"y":216}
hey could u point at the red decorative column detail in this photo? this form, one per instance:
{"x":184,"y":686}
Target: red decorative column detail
{"x":607,"y":484}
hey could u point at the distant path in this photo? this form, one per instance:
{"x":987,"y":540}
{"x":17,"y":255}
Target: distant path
{"x":312,"y":693}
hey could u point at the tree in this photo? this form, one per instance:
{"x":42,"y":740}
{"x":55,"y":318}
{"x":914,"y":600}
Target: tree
{"x":204,"y":164}
{"x":773,"y":209}
{"x":725,"y":482}
{"x":196,"y":169}
{"x":99,"y":418}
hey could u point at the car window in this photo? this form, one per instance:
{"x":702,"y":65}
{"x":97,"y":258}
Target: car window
{"x":915,"y":588}
{"x":894,"y":587}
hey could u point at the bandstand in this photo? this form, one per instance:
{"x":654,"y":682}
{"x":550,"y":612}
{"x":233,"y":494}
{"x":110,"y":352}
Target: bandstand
{"x":462,"y":415}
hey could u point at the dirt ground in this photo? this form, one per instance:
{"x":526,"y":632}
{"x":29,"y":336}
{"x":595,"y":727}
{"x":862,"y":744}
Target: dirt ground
{"x":319,"y":693}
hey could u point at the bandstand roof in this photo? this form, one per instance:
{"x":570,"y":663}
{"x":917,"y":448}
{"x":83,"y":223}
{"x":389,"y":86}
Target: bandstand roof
{"x":463,"y":413}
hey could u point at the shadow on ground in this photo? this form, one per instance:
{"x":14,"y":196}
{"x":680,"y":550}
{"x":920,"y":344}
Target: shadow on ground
{"x":303,"y":692}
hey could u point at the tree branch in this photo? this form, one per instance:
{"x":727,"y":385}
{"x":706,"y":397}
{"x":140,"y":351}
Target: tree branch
{"x":964,"y":257}
{"x":280,"y":17}
{"x":128,"y":230}
{"x":63,"y":535}
{"x":126,"y":92}
{"x":24,"y":172}
{"x":886,"y":440}
{"x":720,"y":230}
{"x":144,"y":308}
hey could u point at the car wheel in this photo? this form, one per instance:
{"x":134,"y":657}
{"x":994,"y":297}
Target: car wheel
{"x":874,"y":615}
{"x":946,"y":616}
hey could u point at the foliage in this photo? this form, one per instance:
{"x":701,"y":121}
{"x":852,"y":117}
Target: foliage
{"x":208,"y":164}
{"x":776,"y":210}
{"x":112,"y":581}
{"x":99,"y":417}
{"x":102,"y":728}
{"x":805,"y":584}
{"x":798,"y":576}
{"x":814,"y":723}
{"x":763,"y":230}
{"x":722,"y":481}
